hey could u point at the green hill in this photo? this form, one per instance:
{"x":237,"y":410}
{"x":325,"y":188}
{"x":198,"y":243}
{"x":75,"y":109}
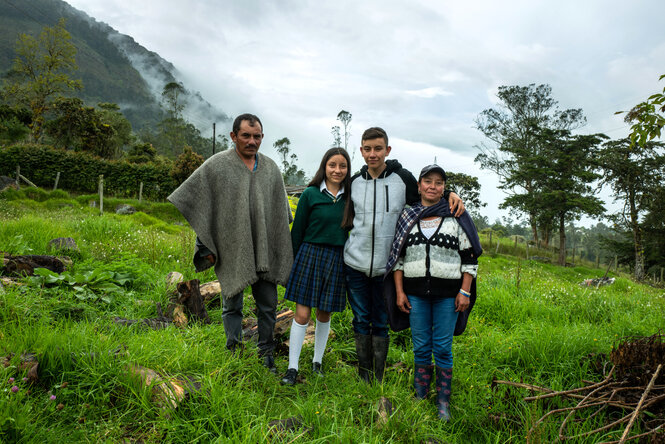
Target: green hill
{"x":112,"y":66}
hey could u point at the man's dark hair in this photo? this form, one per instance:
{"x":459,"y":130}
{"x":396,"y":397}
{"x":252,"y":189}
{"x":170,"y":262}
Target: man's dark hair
{"x":374,"y":133}
{"x":251,"y":118}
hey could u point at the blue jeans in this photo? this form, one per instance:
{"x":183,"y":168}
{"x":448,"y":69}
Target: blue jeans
{"x":366,"y":300}
{"x":432,"y":326}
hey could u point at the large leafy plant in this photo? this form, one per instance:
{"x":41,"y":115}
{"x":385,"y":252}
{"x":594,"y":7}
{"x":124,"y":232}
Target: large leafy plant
{"x":90,"y":285}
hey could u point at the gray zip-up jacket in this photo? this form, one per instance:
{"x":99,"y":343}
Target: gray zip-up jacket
{"x":377,"y":204}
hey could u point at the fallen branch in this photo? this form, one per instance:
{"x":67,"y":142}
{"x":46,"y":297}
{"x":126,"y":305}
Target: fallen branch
{"x":639,"y":406}
{"x":566,"y":392}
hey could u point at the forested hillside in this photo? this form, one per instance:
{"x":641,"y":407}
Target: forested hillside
{"x":112,"y":66}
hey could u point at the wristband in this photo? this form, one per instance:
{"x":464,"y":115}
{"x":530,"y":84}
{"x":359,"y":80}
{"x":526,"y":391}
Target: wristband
{"x":465,"y":293}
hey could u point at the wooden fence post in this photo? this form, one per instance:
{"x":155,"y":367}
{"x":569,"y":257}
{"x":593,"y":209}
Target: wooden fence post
{"x":140,"y":191}
{"x":57,"y":179}
{"x":497,"y":247}
{"x":18,"y":176}
{"x":527,"y":250}
{"x":101,"y":194}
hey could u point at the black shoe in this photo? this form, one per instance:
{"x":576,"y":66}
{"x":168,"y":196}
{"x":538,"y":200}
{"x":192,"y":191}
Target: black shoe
{"x":269,"y":363}
{"x":316,"y":369}
{"x":290,"y":377}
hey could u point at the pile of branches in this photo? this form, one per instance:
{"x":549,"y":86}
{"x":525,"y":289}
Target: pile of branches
{"x":635,"y":386}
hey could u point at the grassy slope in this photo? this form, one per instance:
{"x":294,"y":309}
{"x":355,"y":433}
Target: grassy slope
{"x":540,"y":333}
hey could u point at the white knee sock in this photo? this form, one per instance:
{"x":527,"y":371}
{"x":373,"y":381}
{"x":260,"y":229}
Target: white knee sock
{"x":320,"y":339}
{"x":296,"y":339}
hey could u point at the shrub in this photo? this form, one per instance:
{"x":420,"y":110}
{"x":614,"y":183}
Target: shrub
{"x":185,"y":164}
{"x":80,"y":171}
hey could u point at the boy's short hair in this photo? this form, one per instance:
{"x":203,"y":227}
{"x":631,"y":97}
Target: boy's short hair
{"x":375,"y":133}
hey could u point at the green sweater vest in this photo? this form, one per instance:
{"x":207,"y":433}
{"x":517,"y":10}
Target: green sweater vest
{"x":318,"y":219}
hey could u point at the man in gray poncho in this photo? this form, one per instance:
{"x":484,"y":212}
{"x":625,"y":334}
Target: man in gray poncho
{"x":237,"y":205}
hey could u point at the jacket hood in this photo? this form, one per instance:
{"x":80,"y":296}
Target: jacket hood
{"x":392,"y":165}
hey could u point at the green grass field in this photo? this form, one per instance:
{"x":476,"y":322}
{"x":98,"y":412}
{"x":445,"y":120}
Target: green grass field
{"x":533,"y":323}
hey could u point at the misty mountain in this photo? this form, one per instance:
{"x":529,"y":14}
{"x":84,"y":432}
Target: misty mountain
{"x":112,"y":66}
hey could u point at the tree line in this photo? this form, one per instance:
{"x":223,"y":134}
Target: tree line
{"x":551,"y":173}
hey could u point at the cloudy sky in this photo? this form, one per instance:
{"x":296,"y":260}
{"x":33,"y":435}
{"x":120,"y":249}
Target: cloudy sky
{"x":423,"y":70}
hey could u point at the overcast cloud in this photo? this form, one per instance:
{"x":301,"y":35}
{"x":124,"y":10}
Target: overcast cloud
{"x":423,"y":70}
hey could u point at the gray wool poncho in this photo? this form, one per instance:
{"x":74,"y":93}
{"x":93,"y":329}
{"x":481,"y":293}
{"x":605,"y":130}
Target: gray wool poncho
{"x":242,"y":216}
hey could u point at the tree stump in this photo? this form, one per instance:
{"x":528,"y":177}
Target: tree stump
{"x":188,"y":301}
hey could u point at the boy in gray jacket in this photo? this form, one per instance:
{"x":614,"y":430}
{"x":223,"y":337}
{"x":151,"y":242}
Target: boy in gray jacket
{"x":378,"y":194}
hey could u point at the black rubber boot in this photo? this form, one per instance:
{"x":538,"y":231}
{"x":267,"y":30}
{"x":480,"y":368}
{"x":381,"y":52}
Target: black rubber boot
{"x":364,"y":352}
{"x":422,"y":378}
{"x":380,"y":351}
{"x":444,"y":378}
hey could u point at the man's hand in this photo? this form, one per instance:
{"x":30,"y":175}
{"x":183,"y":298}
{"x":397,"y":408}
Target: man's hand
{"x":403,"y":302}
{"x":211,"y":258}
{"x":456,"y":205}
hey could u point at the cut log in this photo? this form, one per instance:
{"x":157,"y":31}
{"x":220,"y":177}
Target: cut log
{"x":25,"y":265}
{"x":179,"y":317}
{"x":284,"y":319}
{"x":210,"y":291}
{"x":186,"y":305}
{"x":173,"y":278}
{"x":9,"y":281}
{"x":167,"y":392}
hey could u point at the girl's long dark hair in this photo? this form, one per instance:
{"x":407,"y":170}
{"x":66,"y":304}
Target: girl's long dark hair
{"x":320,"y":175}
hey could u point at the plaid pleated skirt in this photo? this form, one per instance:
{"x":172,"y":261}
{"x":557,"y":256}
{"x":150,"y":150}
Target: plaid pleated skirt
{"x":317,"y":278}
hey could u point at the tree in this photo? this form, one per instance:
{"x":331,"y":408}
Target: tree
{"x":111,"y":115}
{"x":648,"y":118}
{"x":566,"y":172}
{"x":103,"y":132}
{"x":290,"y":172}
{"x":654,"y":232}
{"x":186,"y":163}
{"x":141,"y":153}
{"x":514,"y":128}
{"x":172,"y":127}
{"x":467,"y":186}
{"x":337,"y":138}
{"x":223,"y":142}
{"x":345,"y":118}
{"x":174,"y":95}
{"x":14,"y":123}
{"x":634,"y":172}
{"x":40,"y":72}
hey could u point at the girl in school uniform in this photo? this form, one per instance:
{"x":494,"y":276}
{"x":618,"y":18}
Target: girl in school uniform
{"x":317,"y":278}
